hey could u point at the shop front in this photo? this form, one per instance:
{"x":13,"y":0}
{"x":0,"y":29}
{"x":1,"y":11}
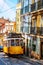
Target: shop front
{"x":35,"y":47}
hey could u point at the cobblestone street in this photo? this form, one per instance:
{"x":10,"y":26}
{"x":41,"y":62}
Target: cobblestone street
{"x":5,"y":60}
{"x":21,"y":32}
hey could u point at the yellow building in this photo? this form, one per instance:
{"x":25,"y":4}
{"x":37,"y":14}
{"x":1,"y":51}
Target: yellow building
{"x":18,"y":23}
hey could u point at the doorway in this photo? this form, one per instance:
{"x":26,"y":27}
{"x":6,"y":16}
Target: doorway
{"x":42,"y":50}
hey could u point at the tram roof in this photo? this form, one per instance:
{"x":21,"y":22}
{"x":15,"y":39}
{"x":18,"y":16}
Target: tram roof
{"x":14,"y":35}
{"x":13,"y":38}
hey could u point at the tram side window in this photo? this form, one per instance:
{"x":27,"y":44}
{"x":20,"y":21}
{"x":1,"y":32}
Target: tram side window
{"x":17,"y":42}
{"x":12,"y":42}
{"x":21,"y":43}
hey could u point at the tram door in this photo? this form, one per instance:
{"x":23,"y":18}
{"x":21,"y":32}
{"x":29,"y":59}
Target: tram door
{"x":41,"y":49}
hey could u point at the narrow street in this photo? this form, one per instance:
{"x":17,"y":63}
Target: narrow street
{"x":21,"y":32}
{"x":5,"y":60}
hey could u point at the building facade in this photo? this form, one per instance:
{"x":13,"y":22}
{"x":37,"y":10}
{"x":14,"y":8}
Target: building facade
{"x":10,"y":27}
{"x":2,"y":27}
{"x":32,"y":25}
{"x":37,"y":27}
{"x":6,"y":27}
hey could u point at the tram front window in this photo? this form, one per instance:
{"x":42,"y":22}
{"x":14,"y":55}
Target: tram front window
{"x":17,"y":42}
{"x":14,"y":42}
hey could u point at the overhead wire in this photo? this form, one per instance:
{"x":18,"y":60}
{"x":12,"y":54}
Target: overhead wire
{"x":8,"y":9}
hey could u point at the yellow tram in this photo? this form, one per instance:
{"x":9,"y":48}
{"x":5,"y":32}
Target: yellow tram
{"x":14,"y":44}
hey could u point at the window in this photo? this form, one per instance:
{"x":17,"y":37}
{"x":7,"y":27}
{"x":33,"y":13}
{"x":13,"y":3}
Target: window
{"x":34,"y":23}
{"x":25,"y":3}
{"x":12,"y":42}
{"x":34,"y":44}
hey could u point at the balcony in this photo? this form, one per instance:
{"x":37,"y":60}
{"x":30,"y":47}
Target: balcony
{"x":37,"y":6}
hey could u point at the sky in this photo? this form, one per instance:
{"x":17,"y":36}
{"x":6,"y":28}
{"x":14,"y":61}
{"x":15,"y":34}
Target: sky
{"x":8,"y":9}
